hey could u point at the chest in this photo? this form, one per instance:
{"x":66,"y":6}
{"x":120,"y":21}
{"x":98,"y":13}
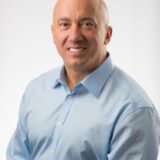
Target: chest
{"x":76,"y":124}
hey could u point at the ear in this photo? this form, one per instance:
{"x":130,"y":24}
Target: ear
{"x":108,"y":35}
{"x":52,"y":30}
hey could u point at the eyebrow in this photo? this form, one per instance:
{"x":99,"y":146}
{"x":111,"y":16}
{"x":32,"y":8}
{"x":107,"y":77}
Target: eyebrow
{"x":81,"y":19}
{"x":87,"y":19}
{"x":63,"y":19}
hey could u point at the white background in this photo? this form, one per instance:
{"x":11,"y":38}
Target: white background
{"x":26,"y":49}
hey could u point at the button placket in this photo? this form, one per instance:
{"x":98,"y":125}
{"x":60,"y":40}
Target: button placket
{"x":61,"y":120}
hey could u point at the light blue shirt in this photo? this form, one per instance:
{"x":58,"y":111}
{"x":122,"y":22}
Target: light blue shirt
{"x":107,"y":117}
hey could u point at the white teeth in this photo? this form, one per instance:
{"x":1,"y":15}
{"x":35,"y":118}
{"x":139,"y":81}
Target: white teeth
{"x":76,"y":49}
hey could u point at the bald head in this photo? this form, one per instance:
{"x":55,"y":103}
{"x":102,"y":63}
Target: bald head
{"x":105,"y":11}
{"x":99,"y":6}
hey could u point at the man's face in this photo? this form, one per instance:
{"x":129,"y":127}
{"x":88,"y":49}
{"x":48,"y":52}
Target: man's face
{"x":80,"y":33}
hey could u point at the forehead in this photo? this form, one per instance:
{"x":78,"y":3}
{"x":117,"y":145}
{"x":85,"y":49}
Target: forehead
{"x":76,"y":8}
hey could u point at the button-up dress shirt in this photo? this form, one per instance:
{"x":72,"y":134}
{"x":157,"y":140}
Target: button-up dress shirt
{"x":107,"y":117}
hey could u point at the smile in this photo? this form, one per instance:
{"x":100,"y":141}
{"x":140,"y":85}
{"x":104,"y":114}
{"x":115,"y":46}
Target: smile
{"x":76,"y":49}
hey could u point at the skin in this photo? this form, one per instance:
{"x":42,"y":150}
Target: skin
{"x":80,"y":32}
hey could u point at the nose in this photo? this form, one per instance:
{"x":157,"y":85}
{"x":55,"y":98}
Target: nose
{"x":75,"y":34}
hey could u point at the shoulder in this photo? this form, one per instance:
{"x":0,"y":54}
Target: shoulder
{"x":127,"y":89}
{"x":128,"y":97}
{"x":135,"y":111}
{"x":42,"y":84}
{"x":47,"y":77}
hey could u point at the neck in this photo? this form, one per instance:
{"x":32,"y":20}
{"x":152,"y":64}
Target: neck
{"x":74,"y":77}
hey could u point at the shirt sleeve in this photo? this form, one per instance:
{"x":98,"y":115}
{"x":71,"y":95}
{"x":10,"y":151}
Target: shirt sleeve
{"x":18,"y":147}
{"x":137,"y":137}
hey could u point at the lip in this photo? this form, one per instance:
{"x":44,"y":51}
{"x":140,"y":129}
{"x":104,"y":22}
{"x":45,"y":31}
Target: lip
{"x":76,"y":51}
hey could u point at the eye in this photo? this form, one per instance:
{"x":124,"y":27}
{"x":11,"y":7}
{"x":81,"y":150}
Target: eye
{"x":63,"y":25}
{"x":88,"y":24}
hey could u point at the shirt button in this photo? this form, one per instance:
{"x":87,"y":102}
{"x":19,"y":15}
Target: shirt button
{"x":59,"y":123}
{"x":52,"y":151}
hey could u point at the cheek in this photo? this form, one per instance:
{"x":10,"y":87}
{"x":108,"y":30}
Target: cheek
{"x":96,"y":37}
{"x":95,"y":42}
{"x":59,"y":39}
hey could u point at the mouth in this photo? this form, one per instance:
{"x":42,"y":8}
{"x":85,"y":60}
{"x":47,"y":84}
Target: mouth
{"x":76,"y":50}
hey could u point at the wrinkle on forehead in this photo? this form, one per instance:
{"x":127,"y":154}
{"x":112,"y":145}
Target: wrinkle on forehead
{"x":99,"y":7}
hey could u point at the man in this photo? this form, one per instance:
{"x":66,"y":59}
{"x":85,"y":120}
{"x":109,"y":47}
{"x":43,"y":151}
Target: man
{"x":87,"y":109}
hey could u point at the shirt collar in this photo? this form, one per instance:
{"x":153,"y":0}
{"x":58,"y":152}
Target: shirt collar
{"x":95,"y":81}
{"x":60,"y":80}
